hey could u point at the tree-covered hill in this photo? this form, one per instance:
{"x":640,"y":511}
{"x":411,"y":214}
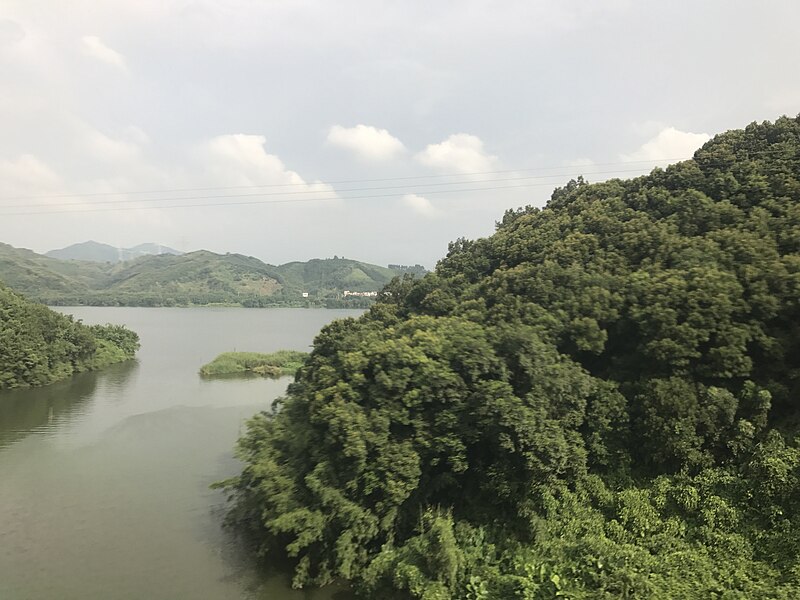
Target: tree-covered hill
{"x":321,"y":275}
{"x":601,"y":400}
{"x":199,"y":277}
{"x":39,"y":346}
{"x":32,"y":274}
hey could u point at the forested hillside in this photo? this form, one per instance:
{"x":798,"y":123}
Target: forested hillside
{"x":39,"y":346}
{"x":601,"y":400}
{"x":200,"y":277}
{"x":36,"y":275}
{"x":335,"y":274}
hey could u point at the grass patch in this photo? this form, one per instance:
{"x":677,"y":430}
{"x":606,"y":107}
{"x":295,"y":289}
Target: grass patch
{"x":275,"y":364}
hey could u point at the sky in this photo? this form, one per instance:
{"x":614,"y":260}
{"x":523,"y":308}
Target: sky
{"x":375,"y":130}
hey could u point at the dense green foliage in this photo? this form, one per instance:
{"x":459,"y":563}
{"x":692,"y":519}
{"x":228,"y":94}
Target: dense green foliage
{"x":196,"y":278}
{"x":601,"y":400}
{"x":274,"y":364}
{"x":39,"y":346}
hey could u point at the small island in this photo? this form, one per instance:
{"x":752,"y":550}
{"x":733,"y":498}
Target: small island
{"x":275,"y":364}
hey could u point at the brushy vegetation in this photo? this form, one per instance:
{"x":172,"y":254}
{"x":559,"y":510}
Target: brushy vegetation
{"x":599,"y":401}
{"x":274,"y":364}
{"x":39,"y":346}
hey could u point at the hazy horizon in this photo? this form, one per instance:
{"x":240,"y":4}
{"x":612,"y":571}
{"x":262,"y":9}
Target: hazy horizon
{"x":116,"y":114}
{"x":262,"y":259}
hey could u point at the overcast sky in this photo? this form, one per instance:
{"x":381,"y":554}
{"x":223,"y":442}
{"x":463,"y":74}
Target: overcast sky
{"x":290,"y":110}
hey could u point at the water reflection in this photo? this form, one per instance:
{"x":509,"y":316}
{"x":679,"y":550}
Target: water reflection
{"x":259,"y":579}
{"x":27,"y":410}
{"x":105,"y":477}
{"x":243,"y":375}
{"x":262,"y":580}
{"x":112,"y":380}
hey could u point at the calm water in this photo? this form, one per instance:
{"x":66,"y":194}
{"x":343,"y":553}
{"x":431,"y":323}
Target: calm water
{"x":104,"y":478}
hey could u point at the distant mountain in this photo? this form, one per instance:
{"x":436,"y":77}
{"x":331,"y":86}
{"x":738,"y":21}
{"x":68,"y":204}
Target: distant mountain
{"x":96,"y":252}
{"x":200,"y":277}
{"x":151,"y":248}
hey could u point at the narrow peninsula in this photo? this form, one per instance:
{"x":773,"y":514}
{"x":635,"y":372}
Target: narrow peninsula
{"x":39,"y":346}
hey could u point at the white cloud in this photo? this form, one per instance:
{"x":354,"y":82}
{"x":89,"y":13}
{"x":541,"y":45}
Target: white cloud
{"x":25,"y":174}
{"x":107,"y":149}
{"x":441,"y":85}
{"x":460,"y":153}
{"x":421,"y":205}
{"x":366,"y":142}
{"x":669,"y":145}
{"x":93,"y":46}
{"x":242,"y":159}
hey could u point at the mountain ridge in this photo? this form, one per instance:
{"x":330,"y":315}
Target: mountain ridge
{"x":93,"y":251}
{"x":200,"y":277}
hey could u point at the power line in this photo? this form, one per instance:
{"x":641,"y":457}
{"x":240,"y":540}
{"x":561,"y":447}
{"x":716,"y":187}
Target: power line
{"x":376,"y":180}
{"x":306,"y":192}
{"x":337,"y":182}
{"x":284,"y":201}
{"x":340,"y":191}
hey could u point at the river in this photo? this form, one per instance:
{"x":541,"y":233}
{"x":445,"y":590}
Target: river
{"x":104,"y":478}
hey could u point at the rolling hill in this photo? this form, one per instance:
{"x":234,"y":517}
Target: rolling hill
{"x":319,"y":275}
{"x":195,"y":278}
{"x":35,"y":274}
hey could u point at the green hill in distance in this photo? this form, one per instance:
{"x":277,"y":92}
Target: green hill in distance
{"x":96,"y":252}
{"x":335,"y":273}
{"x":35,"y":275}
{"x":195,"y":278}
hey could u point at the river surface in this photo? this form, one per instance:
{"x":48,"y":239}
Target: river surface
{"x":104,"y":478}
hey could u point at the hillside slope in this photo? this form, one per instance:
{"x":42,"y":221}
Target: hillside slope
{"x":200,"y":277}
{"x":328,"y":274}
{"x":40,"y":276}
{"x":601,"y":400}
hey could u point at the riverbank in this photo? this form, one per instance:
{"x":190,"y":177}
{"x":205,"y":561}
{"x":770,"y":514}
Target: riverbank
{"x":331,"y":303}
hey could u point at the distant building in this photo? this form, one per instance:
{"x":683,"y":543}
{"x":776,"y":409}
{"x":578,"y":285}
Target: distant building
{"x":305,"y":294}
{"x":361,"y":294}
